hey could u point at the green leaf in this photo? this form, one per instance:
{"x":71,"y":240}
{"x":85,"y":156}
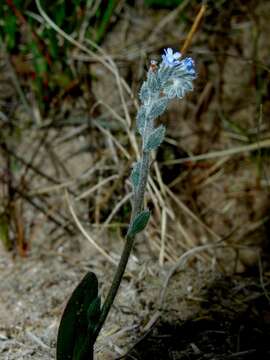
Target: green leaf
{"x":145,"y":93}
{"x":60,"y":13}
{"x":139,"y":223}
{"x":39,"y":61}
{"x":93,"y":313}
{"x":153,"y":82}
{"x":158,"y":108}
{"x":79,"y":318}
{"x":105,"y":21}
{"x":4,"y":232}
{"x":135,"y":174}
{"x":163,"y":3}
{"x":155,"y":139}
{"x":141,"y":119}
{"x":10,"y":29}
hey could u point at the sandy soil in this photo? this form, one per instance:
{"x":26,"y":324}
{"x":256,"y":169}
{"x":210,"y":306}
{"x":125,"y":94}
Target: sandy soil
{"x":213,"y":260}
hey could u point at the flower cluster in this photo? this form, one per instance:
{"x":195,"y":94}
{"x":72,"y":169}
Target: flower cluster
{"x":182,"y":75}
{"x":171,"y":59}
{"x":172,"y":78}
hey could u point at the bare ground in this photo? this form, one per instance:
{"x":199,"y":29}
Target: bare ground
{"x":199,"y":289}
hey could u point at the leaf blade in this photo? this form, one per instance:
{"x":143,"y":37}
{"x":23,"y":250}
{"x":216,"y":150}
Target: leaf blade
{"x":139,"y":223}
{"x":73,"y":335}
{"x":155,"y":138}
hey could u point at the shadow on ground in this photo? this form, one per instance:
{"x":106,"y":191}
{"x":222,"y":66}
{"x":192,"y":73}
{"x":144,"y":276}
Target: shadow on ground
{"x":234,"y":323}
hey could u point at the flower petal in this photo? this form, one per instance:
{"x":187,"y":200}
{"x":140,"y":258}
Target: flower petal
{"x":177,"y":55}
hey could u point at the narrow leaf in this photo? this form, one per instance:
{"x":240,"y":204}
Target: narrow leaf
{"x":153,"y":82}
{"x":135,"y":174}
{"x":158,"y":107}
{"x":165,"y":73}
{"x":141,"y":119}
{"x":155,"y":139}
{"x":139,"y":223}
{"x":4,"y":232}
{"x":145,"y":93}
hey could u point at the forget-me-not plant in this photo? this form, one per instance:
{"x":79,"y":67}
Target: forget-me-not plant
{"x":171,"y":78}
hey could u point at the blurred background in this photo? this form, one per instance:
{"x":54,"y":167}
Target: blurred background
{"x":70,"y":72}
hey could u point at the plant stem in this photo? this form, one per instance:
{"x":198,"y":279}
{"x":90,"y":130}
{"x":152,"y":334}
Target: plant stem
{"x":137,"y":208}
{"x":139,"y":194}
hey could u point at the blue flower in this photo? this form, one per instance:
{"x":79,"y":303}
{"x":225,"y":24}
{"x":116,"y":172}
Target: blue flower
{"x":171,"y":59}
{"x":189,"y":65}
{"x":179,"y":81}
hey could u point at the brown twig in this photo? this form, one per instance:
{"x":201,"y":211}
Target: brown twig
{"x":193,"y":29}
{"x":29,"y":165}
{"x":33,"y":157}
{"x":45,"y":212}
{"x":106,"y":198}
{"x":21,"y":243}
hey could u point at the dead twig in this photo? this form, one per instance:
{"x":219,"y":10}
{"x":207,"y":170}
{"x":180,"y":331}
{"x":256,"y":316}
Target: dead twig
{"x":193,"y":29}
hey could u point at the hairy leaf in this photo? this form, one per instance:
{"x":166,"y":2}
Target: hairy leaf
{"x":145,"y":93}
{"x":139,"y":223}
{"x":155,"y":138}
{"x":158,"y":107}
{"x":135,"y":174}
{"x":141,"y":119}
{"x":153,"y":82}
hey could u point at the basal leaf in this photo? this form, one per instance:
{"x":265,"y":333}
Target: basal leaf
{"x":73,"y":341}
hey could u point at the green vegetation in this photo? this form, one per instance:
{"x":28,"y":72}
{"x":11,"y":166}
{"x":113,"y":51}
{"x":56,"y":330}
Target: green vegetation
{"x":36,"y":50}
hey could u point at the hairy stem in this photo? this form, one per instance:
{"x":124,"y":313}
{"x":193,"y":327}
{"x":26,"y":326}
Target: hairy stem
{"x":137,"y":208}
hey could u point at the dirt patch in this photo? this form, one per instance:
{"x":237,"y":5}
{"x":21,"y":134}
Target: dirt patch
{"x":233,"y":323}
{"x":217,"y":304}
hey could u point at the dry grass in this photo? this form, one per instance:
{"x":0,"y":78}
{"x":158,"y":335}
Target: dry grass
{"x":209,"y":194}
